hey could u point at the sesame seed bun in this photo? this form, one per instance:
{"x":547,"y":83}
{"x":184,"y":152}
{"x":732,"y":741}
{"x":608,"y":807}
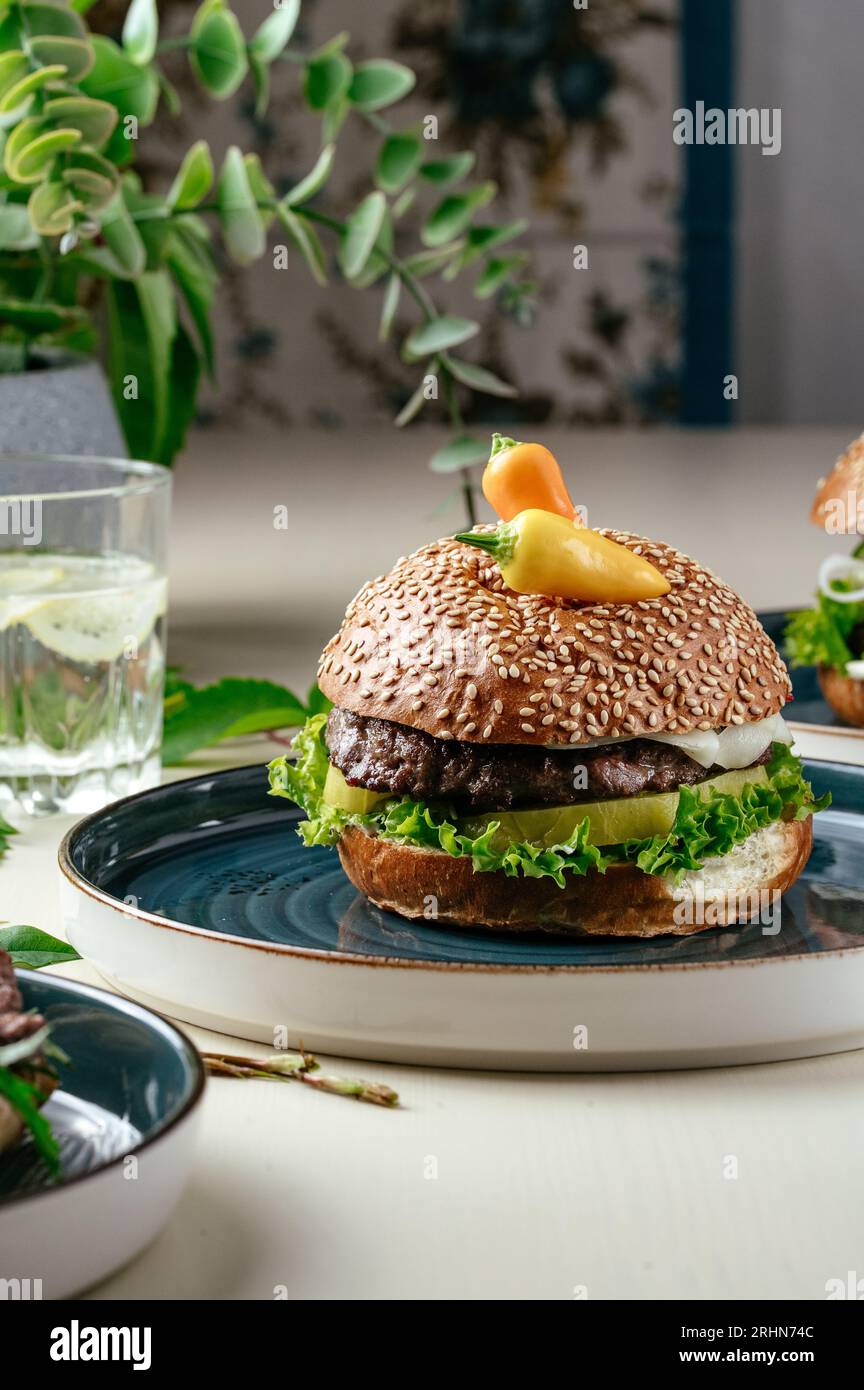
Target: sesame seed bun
{"x":441,"y":644}
{"x":843,"y":694}
{"x":846,"y":476}
{"x":622,"y":902}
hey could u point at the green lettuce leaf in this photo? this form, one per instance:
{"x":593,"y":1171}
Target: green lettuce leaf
{"x":819,"y":636}
{"x":708,"y":827}
{"x":704,"y":827}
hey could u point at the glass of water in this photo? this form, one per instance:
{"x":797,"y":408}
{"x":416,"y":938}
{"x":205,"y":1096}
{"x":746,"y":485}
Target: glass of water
{"x":82,"y":629}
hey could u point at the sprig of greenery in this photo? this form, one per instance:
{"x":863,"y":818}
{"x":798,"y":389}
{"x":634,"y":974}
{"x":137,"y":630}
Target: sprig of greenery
{"x":197,"y":717}
{"x":73,"y":214}
{"x":303,"y":1067}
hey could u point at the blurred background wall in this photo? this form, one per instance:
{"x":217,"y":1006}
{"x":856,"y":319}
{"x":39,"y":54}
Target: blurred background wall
{"x":701,"y":260}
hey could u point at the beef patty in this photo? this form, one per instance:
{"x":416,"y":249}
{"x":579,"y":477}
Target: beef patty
{"x":388,"y":757}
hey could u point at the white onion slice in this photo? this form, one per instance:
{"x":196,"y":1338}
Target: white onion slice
{"x":842,"y":567}
{"x":738,"y":745}
{"x":855,"y":670}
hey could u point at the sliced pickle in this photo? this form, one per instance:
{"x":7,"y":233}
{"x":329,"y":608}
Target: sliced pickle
{"x":610,"y":822}
{"x":352,"y":799}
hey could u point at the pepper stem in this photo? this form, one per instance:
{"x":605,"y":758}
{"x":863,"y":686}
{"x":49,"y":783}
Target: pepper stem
{"x":500,"y":442}
{"x":499,"y":544}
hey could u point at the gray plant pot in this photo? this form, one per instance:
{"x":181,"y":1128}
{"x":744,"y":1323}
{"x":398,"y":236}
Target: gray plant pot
{"x":62,"y":408}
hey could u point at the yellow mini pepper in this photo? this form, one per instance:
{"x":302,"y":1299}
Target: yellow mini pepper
{"x":544,"y":553}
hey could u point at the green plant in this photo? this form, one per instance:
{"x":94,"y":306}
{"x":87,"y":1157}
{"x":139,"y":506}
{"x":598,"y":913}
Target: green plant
{"x":75,"y":219}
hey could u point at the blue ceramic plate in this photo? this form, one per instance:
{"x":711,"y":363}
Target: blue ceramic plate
{"x":123,"y":1115}
{"x":199,"y":899}
{"x":216,"y":853}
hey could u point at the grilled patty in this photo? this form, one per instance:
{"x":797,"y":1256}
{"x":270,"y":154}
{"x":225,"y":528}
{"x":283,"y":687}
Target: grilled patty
{"x":387,"y":757}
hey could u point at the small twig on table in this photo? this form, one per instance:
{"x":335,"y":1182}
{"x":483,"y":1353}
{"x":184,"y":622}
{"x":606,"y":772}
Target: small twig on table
{"x":299,"y":1066}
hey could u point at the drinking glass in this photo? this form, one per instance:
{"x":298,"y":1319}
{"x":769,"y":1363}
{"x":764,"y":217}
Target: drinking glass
{"x":82,"y":629}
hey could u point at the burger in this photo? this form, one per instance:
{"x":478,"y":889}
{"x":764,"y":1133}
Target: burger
{"x":830,"y":636}
{"x":501,"y":754}
{"x":27,"y":1078}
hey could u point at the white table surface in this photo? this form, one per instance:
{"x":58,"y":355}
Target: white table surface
{"x":545,"y":1184}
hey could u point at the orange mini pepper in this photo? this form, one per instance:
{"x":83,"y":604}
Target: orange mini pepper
{"x":519,"y":477}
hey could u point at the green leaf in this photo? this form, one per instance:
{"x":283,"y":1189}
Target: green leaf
{"x":29,"y":155}
{"x":194,"y":178}
{"x":52,"y":19}
{"x":496,"y":271}
{"x":18,"y":98}
{"x":13,"y":67}
{"x":262,"y":189}
{"x":316,"y":701}
{"x":361,"y":233}
{"x":453,"y":213}
{"x":328,"y":77}
{"x":142,"y":321}
{"x":479,"y":378}
{"x":116,"y":79}
{"x":274,"y":33}
{"x":95,"y":120}
{"x":227,"y":709}
{"x":389,"y":307}
{"x":397,"y":162}
{"x":448,"y":170}
{"x":122,"y":237}
{"x":182,"y":397}
{"x":75,"y":55}
{"x":428,"y":262}
{"x":217,"y":52}
{"x":16,"y":232}
{"x":412,"y":406}
{"x":306,"y":240}
{"x":404,"y":202}
{"x":261,"y":82}
{"x":314,"y":180}
{"x":459,"y":453}
{"x":191,"y":264}
{"x":140,"y":31}
{"x":40,"y":318}
{"x":437,"y":334}
{"x":52,"y":208}
{"x":32,"y":949}
{"x":91,"y":178}
{"x":241,"y":222}
{"x":482,"y":239}
{"x":379,"y":83}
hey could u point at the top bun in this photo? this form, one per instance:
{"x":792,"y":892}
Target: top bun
{"x":846,"y":476}
{"x":441,"y":644}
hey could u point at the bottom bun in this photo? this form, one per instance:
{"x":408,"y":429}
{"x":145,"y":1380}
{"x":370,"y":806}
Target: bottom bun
{"x":425,"y":883}
{"x":844,"y":695}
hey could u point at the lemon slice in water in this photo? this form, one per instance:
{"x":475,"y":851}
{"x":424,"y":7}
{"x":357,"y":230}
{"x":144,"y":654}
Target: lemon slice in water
{"x":20,"y":586}
{"x":102,"y":626}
